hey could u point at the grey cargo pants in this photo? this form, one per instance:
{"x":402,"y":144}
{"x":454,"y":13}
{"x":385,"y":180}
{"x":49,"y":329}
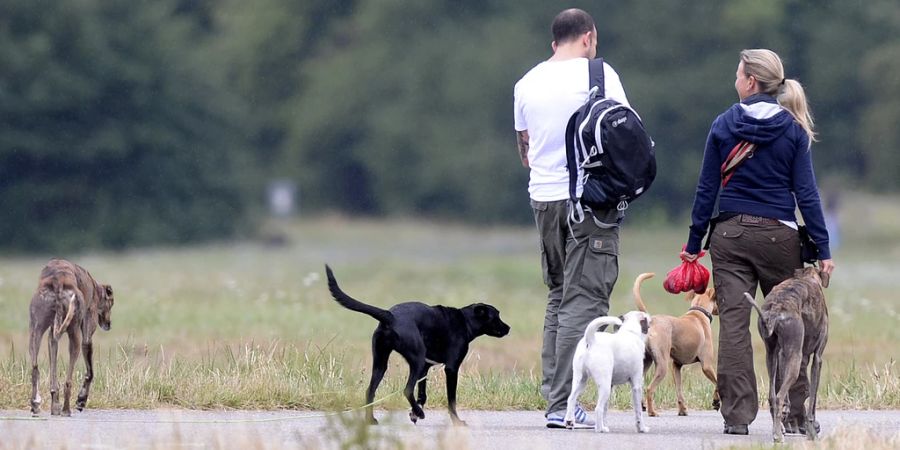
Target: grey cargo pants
{"x":745,"y":255}
{"x":580,"y":267}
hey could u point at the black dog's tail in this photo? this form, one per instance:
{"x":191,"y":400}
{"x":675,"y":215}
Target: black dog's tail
{"x":381,"y":315}
{"x":769,"y":324}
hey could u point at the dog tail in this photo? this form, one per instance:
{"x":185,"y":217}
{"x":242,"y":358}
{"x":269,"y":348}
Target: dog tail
{"x":60,"y":323}
{"x":770,"y":325}
{"x":382,"y":315}
{"x":597,"y":323}
{"x":636,"y":290}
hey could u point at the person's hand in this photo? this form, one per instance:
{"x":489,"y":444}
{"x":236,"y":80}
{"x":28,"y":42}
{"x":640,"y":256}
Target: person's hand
{"x":689,"y":257}
{"x":826,"y":266}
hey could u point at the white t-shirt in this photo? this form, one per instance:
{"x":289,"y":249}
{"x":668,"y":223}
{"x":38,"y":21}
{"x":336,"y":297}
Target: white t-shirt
{"x":545,"y":98}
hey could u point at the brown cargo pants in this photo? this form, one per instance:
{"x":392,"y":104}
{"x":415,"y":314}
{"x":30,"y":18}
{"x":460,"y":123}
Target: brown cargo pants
{"x":747,"y":252}
{"x":580,"y":267}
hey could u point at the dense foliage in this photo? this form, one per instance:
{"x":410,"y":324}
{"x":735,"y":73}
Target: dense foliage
{"x":137,"y":122}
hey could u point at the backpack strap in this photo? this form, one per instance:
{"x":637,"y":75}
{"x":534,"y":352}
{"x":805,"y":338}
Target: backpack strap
{"x":596,"y":80}
{"x":595,"y":74}
{"x":576,"y":212}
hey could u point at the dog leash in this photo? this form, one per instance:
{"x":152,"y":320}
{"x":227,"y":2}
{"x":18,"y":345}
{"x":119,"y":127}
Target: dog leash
{"x":212,"y":421}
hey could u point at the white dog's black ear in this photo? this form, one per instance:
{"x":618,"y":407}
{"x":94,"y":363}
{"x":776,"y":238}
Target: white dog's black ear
{"x":645,"y":325}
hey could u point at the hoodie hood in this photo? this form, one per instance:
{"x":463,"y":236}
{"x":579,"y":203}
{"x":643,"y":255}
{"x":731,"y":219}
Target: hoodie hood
{"x":758,"y":119}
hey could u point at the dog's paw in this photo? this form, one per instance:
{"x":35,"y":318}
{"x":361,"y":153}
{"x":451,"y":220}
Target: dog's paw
{"x":682,"y":412}
{"x":570,"y":424}
{"x":643,"y":428}
{"x":55,"y":410}
{"x":373,"y":421}
{"x":459,"y":423}
{"x":716,"y":404}
{"x":416,"y":414}
{"x":603,"y":429}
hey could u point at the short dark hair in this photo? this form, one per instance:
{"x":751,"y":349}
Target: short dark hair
{"x":570,"y":24}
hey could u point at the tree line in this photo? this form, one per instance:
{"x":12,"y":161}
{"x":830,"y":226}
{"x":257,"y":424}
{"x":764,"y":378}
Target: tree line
{"x":128,"y":123}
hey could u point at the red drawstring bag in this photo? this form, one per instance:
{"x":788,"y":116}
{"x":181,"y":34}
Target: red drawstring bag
{"x":689,"y":276}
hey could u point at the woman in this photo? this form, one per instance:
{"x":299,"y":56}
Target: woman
{"x":755,"y":239}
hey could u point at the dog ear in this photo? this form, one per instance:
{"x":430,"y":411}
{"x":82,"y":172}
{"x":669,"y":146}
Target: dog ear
{"x":108,"y":289}
{"x":481,"y":311}
{"x":825,"y":279}
{"x":645,"y":325}
{"x":689,"y":296}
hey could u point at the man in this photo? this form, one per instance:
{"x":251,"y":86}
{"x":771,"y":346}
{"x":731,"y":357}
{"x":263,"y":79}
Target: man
{"x":580,"y":263}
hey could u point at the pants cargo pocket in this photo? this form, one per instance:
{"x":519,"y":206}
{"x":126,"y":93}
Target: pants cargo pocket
{"x":601,"y":263}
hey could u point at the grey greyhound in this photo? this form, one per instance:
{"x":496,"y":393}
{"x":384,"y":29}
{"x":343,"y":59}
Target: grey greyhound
{"x":793,"y":322}
{"x":71,"y":300}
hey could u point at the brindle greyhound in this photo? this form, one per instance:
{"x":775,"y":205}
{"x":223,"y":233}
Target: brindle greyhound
{"x":794,"y":325}
{"x":71,"y":300}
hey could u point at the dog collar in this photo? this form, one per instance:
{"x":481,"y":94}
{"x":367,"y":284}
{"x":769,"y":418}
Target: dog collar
{"x":705,"y":312}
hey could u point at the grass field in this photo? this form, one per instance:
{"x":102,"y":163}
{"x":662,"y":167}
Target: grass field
{"x":247,"y":325}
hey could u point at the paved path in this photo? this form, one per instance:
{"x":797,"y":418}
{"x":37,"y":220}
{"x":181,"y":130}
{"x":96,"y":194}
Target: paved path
{"x":492,"y":430}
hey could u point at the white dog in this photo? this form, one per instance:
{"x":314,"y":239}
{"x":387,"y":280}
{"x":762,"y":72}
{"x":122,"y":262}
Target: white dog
{"x":611,"y":359}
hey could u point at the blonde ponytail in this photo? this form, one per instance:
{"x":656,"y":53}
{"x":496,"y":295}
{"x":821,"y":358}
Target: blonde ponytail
{"x":793,"y":98}
{"x":766,"y":67}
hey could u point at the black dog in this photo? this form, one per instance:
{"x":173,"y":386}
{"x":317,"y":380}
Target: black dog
{"x":424,"y":335}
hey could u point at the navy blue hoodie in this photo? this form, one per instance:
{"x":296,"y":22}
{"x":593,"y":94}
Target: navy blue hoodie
{"x":773,"y":183}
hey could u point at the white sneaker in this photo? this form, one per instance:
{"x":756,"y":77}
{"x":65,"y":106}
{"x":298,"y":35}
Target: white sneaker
{"x":558,"y":419}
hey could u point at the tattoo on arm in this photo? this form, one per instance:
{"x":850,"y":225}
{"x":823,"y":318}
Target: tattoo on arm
{"x":522,"y":142}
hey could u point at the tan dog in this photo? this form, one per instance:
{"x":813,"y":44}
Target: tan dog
{"x":680,"y":341}
{"x":71,"y":300}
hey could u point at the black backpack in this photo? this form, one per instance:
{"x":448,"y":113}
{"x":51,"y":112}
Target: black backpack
{"x":607,"y":151}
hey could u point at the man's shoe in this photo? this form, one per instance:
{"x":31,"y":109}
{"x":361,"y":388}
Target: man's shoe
{"x":737,"y":429}
{"x":558,"y":419}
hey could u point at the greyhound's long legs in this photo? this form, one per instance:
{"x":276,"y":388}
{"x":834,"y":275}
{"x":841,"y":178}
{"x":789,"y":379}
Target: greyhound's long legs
{"x":788,"y":370}
{"x":87,"y":348}
{"x":74,"y":350}
{"x":34,"y":346}
{"x":814,"y":392}
{"x":54,"y":381}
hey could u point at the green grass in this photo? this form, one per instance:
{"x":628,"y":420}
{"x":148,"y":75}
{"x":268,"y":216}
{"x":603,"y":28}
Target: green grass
{"x":253,"y":326}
